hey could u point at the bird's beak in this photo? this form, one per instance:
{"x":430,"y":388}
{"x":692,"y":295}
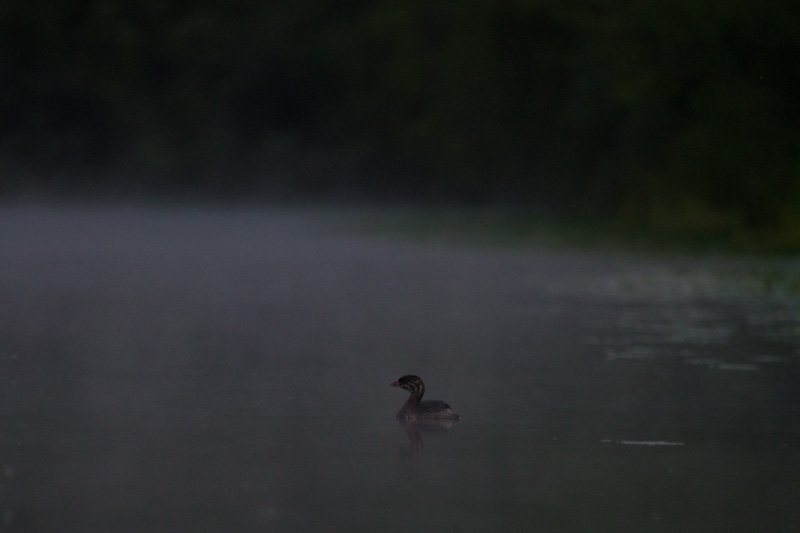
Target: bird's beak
{"x":394,"y":384}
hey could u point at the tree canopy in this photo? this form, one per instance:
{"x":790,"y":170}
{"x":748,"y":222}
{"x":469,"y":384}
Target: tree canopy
{"x":675,"y":114}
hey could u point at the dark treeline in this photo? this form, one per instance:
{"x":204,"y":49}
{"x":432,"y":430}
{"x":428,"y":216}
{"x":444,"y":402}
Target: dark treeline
{"x":673,"y":114}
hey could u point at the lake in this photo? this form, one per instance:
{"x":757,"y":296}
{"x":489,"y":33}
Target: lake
{"x":199,"y":369}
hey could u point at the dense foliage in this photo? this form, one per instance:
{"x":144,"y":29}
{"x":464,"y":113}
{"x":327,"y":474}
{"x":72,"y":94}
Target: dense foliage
{"x":679,"y":114}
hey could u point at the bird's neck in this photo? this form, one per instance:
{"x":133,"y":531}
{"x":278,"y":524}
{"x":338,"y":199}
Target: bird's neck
{"x":415,"y":397}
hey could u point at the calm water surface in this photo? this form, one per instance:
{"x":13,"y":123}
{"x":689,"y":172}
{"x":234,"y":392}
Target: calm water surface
{"x":229,"y":370}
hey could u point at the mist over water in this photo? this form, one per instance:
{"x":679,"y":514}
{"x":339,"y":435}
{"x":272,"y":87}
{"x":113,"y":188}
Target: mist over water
{"x":228,"y":369}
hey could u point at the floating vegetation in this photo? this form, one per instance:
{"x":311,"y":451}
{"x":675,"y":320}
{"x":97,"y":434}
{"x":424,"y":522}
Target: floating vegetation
{"x":642,"y":442}
{"x":720,"y":364}
{"x":723,"y":318}
{"x":769,"y":359}
{"x":666,"y":283}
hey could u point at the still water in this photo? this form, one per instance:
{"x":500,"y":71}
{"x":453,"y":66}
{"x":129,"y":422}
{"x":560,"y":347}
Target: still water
{"x":229,"y":370}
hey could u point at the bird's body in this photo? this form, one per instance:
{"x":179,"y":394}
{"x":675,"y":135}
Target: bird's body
{"x":415,"y":408}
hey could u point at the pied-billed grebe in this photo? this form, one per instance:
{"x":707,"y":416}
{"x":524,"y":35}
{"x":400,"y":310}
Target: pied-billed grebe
{"x":415,"y":409}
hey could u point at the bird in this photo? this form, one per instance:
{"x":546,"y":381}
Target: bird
{"x":415,"y":409}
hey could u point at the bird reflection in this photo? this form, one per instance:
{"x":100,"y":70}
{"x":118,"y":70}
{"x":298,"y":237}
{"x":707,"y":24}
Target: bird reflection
{"x":415,"y":429}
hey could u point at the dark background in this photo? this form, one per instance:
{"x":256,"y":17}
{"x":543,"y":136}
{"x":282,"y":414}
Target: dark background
{"x":681,"y":116}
